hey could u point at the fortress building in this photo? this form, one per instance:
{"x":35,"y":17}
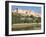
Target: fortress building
{"x":27,"y":12}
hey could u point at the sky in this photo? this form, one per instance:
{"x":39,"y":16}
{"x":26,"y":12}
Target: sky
{"x":33,"y":8}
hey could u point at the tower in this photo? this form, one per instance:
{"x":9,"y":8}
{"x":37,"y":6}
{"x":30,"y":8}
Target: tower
{"x":16,"y":10}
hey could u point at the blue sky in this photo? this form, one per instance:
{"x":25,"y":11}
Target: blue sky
{"x":33,"y":8}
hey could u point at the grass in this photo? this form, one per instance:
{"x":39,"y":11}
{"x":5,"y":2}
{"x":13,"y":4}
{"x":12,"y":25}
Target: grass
{"x":26,"y":26}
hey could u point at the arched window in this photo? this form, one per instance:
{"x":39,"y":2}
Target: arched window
{"x":26,"y":12}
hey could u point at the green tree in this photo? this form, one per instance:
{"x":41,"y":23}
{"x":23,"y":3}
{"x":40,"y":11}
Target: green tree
{"x":31,"y":16}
